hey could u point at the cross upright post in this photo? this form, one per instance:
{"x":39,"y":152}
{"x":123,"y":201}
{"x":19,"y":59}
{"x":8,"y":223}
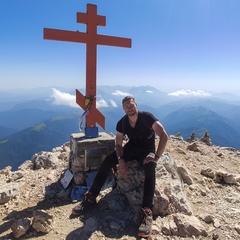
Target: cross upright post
{"x":91,"y":39}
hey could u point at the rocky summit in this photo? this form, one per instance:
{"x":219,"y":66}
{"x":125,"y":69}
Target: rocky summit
{"x":197,"y":196}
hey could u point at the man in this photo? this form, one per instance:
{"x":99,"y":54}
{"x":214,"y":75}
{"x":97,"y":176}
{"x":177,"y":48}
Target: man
{"x":140,"y":128}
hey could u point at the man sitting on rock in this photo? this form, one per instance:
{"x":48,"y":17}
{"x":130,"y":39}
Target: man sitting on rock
{"x":140,"y":128}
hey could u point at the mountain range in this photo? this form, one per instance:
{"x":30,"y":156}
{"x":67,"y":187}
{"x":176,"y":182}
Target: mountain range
{"x":37,"y":120}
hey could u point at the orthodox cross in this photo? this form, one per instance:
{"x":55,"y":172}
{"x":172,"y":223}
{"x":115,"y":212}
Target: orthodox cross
{"x":92,"y":39}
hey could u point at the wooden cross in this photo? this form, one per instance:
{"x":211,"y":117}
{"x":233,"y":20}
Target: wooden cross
{"x":92,"y":39}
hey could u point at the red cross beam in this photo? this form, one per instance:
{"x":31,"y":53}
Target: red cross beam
{"x":92,"y":39}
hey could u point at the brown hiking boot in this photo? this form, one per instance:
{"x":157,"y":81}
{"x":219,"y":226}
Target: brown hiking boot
{"x":145,"y":228}
{"x":88,"y":201}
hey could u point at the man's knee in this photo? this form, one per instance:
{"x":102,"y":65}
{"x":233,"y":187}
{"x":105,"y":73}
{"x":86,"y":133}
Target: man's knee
{"x":110,"y":160}
{"x":150,"y":167}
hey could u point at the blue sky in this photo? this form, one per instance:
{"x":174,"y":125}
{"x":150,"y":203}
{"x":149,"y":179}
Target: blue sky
{"x":176,"y":44}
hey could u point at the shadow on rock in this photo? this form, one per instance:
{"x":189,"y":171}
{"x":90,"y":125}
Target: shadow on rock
{"x":111,"y":217}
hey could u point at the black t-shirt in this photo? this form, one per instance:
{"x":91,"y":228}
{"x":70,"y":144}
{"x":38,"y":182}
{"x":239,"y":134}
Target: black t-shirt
{"x":142,"y":135}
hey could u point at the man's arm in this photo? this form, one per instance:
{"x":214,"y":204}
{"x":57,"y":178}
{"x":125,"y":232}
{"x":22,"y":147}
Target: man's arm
{"x":118,"y":144}
{"x":122,"y":166}
{"x":160,"y":131}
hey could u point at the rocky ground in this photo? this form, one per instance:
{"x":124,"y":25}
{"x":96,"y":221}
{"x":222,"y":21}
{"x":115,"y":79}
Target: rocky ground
{"x":214,"y":198}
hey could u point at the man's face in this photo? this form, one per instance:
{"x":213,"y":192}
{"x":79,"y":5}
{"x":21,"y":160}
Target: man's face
{"x":130,"y":107}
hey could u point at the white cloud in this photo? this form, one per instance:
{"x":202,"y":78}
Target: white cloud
{"x":65,"y":99}
{"x":149,"y":91}
{"x":120,"y":93}
{"x":187,"y":92}
{"x":101,"y":103}
{"x":113,"y":103}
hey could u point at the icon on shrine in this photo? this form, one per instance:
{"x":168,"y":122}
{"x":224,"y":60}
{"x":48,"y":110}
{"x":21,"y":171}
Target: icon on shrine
{"x":88,"y":101}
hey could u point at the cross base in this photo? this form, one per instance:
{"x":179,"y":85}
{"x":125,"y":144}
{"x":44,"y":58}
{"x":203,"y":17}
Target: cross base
{"x":88,"y":153}
{"x":91,"y":132}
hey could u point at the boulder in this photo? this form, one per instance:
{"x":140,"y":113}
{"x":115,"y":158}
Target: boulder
{"x":182,"y":225}
{"x":169,"y":195}
{"x":20,"y":227}
{"x":44,"y":160}
{"x":42,"y":221}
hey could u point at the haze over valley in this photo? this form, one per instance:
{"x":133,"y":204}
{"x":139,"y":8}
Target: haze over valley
{"x":36,"y":120}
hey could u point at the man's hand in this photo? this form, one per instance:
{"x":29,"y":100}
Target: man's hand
{"x":151,"y":157}
{"x":122,"y":167}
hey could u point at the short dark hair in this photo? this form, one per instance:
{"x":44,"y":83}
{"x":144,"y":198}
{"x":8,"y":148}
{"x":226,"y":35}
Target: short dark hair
{"x":128,"y":98}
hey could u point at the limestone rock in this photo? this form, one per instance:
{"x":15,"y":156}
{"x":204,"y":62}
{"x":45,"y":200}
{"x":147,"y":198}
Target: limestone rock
{"x":42,"y":221}
{"x":20,"y":227}
{"x":229,"y":178}
{"x":15,"y":176}
{"x":28,"y":164}
{"x":44,"y":160}
{"x":6,"y":171}
{"x":170,"y":183}
{"x":192,"y":138}
{"x":177,"y":136}
{"x":8,"y":191}
{"x":206,"y":139}
{"x":237,"y":227}
{"x":208,"y":172}
{"x":91,"y":224}
{"x":185,"y":174}
{"x":188,"y":226}
{"x":182,"y":225}
{"x":80,"y":178}
{"x":208,"y":219}
{"x":180,"y":151}
{"x":194,"y":147}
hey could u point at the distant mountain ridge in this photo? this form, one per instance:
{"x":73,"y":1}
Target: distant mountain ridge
{"x":42,"y":137}
{"x":37,"y":125}
{"x":24,"y":118}
{"x":199,"y":120}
